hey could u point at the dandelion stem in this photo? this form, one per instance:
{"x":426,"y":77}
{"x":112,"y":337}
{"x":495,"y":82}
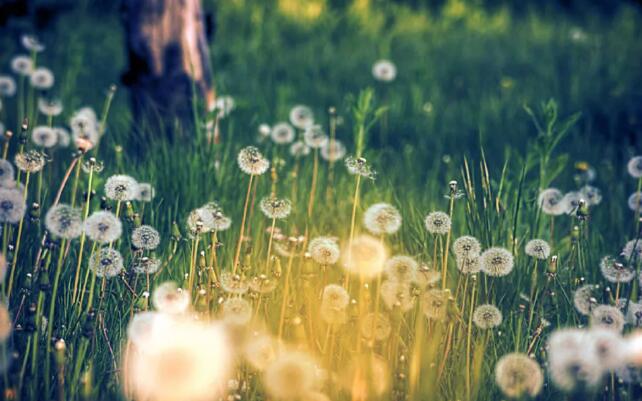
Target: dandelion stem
{"x":18,"y":240}
{"x":242,"y":231}
{"x":355,"y":203}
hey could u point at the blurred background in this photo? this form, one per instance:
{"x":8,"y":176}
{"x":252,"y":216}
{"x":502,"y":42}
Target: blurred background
{"x":465,"y":68}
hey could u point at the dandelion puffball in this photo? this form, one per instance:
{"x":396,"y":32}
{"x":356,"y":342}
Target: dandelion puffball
{"x":518,"y":375}
{"x":121,"y":188}
{"x":251,"y":161}
{"x":384,"y":71}
{"x":365,"y":257}
{"x":382,"y":218}
{"x":12,"y":206}
{"x":550,"y":202}
{"x":290,"y":375}
{"x":168,"y":298}
{"x":145,"y":237}
{"x":634,"y":167}
{"x":538,"y":249}
{"x":497,"y":262}
{"x":324,"y":250}
{"x":106,"y":262}
{"x":437,"y":223}
{"x":64,"y":221}
{"x":103,"y":227}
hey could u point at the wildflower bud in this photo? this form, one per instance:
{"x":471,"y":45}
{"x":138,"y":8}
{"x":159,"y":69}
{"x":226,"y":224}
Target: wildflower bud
{"x":34,"y":212}
{"x":453,"y":186}
{"x":552,"y":266}
{"x":8,"y":134}
{"x":176,"y":232}
{"x":25,"y":124}
{"x":129,"y":213}
{"x":575,"y":234}
{"x":60,"y":352}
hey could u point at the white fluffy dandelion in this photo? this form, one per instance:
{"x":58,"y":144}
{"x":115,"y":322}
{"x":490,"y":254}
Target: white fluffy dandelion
{"x":121,"y":187}
{"x":397,"y":295}
{"x":301,"y":116}
{"x":106,"y":262}
{"x":616,"y":272}
{"x":146,"y":265}
{"x":497,"y":262}
{"x":275,"y":208}
{"x":282,"y":133}
{"x":634,"y":167}
{"x":359,"y":166}
{"x":41,"y":78}
{"x":635,"y":202}
{"x":333,"y":151}
{"x":570,"y":363}
{"x":592,"y":195}
{"x":7,"y":172}
{"x":382,"y":218}
{"x":469,"y":265}
{"x":608,"y":317}
{"x":12,"y":206}
{"x":365,"y":257}
{"x":466,"y":246}
{"x":169,"y":298}
{"x":434,"y":303}
{"x":200,"y":221}
{"x":314,"y":137}
{"x":324,"y":250}
{"x":375,"y":327}
{"x":44,"y":136}
{"x":145,"y":237}
{"x":487,"y":316}
{"x":64,"y":221}
{"x":538,"y":249}
{"x":64,"y":139}
{"x":7,"y":86}
{"x":233,"y":283}
{"x":384,"y":70}
{"x":146,"y":192}
{"x":299,"y":149}
{"x":290,"y":376}
{"x":252,"y":162}
{"x":550,"y":202}
{"x":236,"y":311}
{"x":401,"y":268}
{"x":49,"y":107}
{"x":517,"y":376}
{"x":103,"y":227}
{"x":584,"y":299}
{"x":32,"y":43}
{"x":30,"y":161}
{"x":632,"y":250}
{"x":437,"y":223}
{"x":220,"y":222}
{"x":22,"y":65}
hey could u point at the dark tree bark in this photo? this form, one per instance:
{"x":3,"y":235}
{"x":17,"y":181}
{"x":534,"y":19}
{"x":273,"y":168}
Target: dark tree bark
{"x":168,"y":60}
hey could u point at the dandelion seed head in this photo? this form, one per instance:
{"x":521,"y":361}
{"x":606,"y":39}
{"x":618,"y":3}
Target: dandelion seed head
{"x":301,"y":116}
{"x":41,"y":78}
{"x":359,"y":166}
{"x":487,"y":316}
{"x":275,"y":208}
{"x":200,"y":221}
{"x":384,"y":70}
{"x":616,"y":272}
{"x":264,"y":130}
{"x":260,"y":350}
{"x":397,"y":296}
{"x":324,"y":250}
{"x":290,"y":375}
{"x":332,"y":316}
{"x":634,"y":167}
{"x":236,"y":311}
{"x":7,"y":172}
{"x":146,"y":265}
{"x":44,"y":136}
{"x":608,"y":346}
{"x":169,"y":298}
{"x":592,"y":195}
{"x":252,"y":162}
{"x":335,"y":296}
{"x":64,"y":138}
{"x":333,"y":151}
{"x":64,"y":221}
{"x":12,"y":206}
{"x":314,"y":137}
{"x":517,"y":375}
{"x":584,"y":300}
{"x":375,"y":327}
{"x":106,"y":262}
{"x":30,"y":161}
{"x":426,"y":277}
{"x":437,"y":223}
{"x":49,"y":107}
{"x":382,"y":218}
{"x":225,"y":105}
{"x":219,"y":221}
{"x":282,"y":133}
{"x":570,"y":363}
{"x":365,"y":257}
{"x":571,"y":202}
{"x":146,"y":192}
{"x":632,"y":250}
{"x":121,"y":187}
{"x":299,"y":149}
{"x":7,"y":86}
{"x":550,"y":202}
{"x":32,"y":43}
{"x":635,"y":202}
{"x":103,"y":227}
{"x":401,"y":268}
{"x":233,"y":284}
{"x":434,"y":304}
{"x":538,"y":249}
{"x":263,"y":284}
{"x":22,"y":65}
{"x":84,"y":126}
{"x":497,"y":262}
{"x":608,"y":317}
{"x":634,"y":314}
{"x":145,"y":237}
{"x":466,"y":246}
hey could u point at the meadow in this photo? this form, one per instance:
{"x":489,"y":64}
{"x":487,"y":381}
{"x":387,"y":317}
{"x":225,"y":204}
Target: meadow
{"x":406,"y":203}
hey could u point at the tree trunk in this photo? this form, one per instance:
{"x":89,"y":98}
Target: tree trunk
{"x":168,"y":62}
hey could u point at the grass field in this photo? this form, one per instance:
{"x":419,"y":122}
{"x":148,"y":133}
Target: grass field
{"x":297,"y":284}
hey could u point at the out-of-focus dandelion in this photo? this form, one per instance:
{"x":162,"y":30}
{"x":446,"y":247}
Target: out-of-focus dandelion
{"x":22,"y":65}
{"x":7,"y":172}
{"x":333,"y":151}
{"x":365,"y":257}
{"x":220,"y":222}
{"x":31,"y":161}
{"x":145,"y":237}
{"x":264,"y":131}
{"x":359,"y":166}
{"x":200,"y":221}
{"x":571,"y":202}
{"x":382,"y":218}
{"x":44,"y":136}
{"x":608,"y":317}
{"x":375,"y":326}
{"x":146,"y":265}
{"x":282,"y":133}
{"x":384,"y":71}
{"x":252,"y":162}
{"x":487,"y":316}
{"x":397,"y":295}
{"x":49,"y":107}
{"x":106,"y":262}
{"x":12,"y":206}
{"x":584,"y":299}
{"x":632,"y":250}
{"x":146,"y":192}
{"x":233,"y":283}
{"x":64,"y":139}
{"x":275,"y":208}
{"x":497,"y":262}
{"x":41,"y":78}
{"x":103,"y":227}
{"x":518,"y":375}
{"x":169,"y":298}
{"x":299,"y":149}
{"x":570,"y":365}
{"x":538,"y":249}
{"x":262,"y":284}
{"x":301,"y":116}
{"x":32,"y":43}
{"x":324,"y":250}
{"x":592,"y":195}
{"x":260,"y":350}
{"x":634,"y":167}
{"x":236,"y":311}
{"x":334,"y":301}
{"x":469,"y":265}
{"x":121,"y":187}
{"x":84,"y":126}
{"x":401,"y":268}
{"x":314,"y":137}
{"x":550,"y":202}
{"x":64,"y":221}
{"x":635,"y":201}
{"x":434,"y":303}
{"x":608,"y":346}
{"x":616,"y":272}
{"x":7,"y":86}
{"x":224,"y":105}
{"x":290,"y":376}
{"x":437,"y":223}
